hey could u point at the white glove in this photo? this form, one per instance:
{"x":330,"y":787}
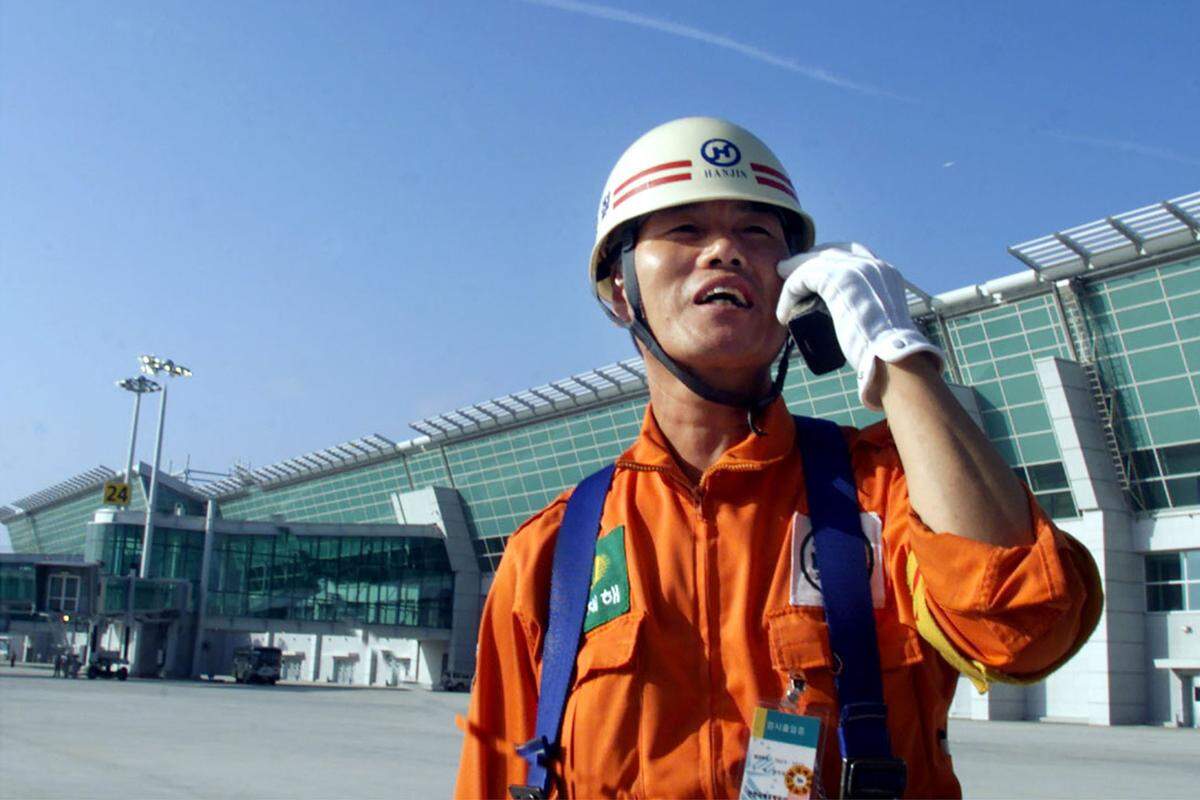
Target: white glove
{"x":865,"y":296}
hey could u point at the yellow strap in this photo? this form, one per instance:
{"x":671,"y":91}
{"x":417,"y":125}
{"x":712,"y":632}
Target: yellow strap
{"x":979,"y":674}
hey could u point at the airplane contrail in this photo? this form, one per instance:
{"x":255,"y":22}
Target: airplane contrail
{"x":821,"y":74}
{"x":1125,"y":146}
{"x":697,"y":34}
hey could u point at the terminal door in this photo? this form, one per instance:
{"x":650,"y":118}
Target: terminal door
{"x":151,"y":649}
{"x":343,"y":671}
{"x":292,"y":668}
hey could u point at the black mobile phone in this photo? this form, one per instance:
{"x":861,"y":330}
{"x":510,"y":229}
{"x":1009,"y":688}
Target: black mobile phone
{"x":811,"y":327}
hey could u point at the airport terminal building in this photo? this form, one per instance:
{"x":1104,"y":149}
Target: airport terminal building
{"x":367,"y":562}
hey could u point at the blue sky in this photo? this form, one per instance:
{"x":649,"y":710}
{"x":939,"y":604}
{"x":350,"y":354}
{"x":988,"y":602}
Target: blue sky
{"x":345,"y":217}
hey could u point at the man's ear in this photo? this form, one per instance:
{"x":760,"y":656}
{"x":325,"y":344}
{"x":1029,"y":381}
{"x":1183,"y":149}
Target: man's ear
{"x":620,"y":304}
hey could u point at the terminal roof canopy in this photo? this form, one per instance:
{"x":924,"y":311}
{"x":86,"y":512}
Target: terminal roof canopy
{"x":96,"y":476}
{"x":1154,"y":228}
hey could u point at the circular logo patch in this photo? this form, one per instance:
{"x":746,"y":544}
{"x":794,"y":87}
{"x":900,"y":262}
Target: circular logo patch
{"x":798,"y":779}
{"x":720,"y":152}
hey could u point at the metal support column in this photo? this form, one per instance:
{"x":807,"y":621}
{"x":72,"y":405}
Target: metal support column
{"x":210,"y":518}
{"x":137,"y":406}
{"x":144,"y":566}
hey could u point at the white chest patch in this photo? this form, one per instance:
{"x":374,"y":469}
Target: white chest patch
{"x":806,"y":580}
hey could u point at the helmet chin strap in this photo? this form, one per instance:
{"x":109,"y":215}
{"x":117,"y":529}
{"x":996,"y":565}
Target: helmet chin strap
{"x":752,"y":404}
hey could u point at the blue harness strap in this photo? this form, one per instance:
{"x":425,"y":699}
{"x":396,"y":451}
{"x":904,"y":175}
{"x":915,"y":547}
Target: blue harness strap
{"x":868,"y":767}
{"x":570,"y":583}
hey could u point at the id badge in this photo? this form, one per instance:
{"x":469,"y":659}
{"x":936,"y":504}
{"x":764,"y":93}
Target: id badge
{"x":782,"y":757}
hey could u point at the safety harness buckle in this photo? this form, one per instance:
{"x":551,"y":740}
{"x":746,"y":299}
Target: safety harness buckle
{"x":538,"y":751}
{"x":873,"y":778}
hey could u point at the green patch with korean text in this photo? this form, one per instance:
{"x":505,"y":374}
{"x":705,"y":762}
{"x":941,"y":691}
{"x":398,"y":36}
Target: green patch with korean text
{"x":609,"y":598}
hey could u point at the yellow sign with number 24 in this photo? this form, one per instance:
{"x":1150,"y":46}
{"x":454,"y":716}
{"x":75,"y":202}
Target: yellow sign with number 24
{"x":116,"y":494}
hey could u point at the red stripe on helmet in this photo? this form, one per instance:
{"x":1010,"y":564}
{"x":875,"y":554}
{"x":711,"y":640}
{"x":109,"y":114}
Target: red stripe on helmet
{"x":773,"y":185}
{"x":686,"y":176}
{"x":770,"y":171}
{"x":645,"y":172}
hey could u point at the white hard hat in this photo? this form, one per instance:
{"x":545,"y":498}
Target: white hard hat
{"x":692,"y":160}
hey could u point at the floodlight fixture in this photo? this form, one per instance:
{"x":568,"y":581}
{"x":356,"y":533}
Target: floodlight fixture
{"x":140,"y":385}
{"x":152,"y":365}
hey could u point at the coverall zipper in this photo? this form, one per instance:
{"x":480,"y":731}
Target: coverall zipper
{"x":710,"y":618}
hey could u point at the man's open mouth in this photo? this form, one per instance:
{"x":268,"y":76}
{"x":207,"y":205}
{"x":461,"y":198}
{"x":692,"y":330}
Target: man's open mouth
{"x":725,"y":294}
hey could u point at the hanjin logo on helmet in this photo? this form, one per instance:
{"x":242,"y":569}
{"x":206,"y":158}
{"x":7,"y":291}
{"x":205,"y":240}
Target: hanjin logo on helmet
{"x":720,"y":152}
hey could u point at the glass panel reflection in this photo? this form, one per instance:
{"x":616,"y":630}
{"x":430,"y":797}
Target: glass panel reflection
{"x":364,"y":580}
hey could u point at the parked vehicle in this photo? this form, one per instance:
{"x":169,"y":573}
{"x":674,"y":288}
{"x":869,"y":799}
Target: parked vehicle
{"x":108,"y":665}
{"x":455,"y":682}
{"x":257,"y":664}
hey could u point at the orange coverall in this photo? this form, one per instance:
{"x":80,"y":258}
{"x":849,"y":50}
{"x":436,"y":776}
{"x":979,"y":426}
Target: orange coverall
{"x":664,"y":691}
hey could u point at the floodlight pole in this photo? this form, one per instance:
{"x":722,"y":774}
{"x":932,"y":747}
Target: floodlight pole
{"x":137,"y":406}
{"x":144,"y":563}
{"x":137,"y":386}
{"x":152,"y":365}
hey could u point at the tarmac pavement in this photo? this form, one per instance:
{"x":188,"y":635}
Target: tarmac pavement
{"x":155,"y":739}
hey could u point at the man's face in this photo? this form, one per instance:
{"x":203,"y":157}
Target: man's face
{"x":709,"y":284}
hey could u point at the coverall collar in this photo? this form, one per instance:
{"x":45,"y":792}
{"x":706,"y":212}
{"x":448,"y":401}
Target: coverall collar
{"x":652,"y":451}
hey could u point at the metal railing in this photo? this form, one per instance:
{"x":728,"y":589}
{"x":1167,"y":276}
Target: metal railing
{"x":1083,"y":342}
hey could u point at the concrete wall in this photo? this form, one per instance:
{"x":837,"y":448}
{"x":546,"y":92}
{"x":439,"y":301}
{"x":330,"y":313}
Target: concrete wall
{"x":1172,"y":636}
{"x":443,"y":507}
{"x":1109,"y":672}
{"x":368,"y":658}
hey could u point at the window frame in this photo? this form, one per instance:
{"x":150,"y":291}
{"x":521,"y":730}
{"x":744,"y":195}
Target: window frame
{"x":1186,"y":581}
{"x":59,"y":602}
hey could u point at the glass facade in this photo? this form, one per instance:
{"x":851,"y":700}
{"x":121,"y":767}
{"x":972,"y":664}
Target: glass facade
{"x":351,"y":579}
{"x":61,"y":528}
{"x":21,"y":534}
{"x":18,"y":587}
{"x":508,"y":476}
{"x":833,"y":396}
{"x":503,"y":478}
{"x":360,"y":495}
{"x":174,"y":553}
{"x":995,"y":349}
{"x":1147,"y":332}
{"x":149,"y":596}
{"x":57,"y":529}
{"x":373,"y":580}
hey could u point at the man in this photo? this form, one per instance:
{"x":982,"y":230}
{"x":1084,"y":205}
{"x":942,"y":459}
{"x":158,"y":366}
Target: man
{"x":702,"y":607}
